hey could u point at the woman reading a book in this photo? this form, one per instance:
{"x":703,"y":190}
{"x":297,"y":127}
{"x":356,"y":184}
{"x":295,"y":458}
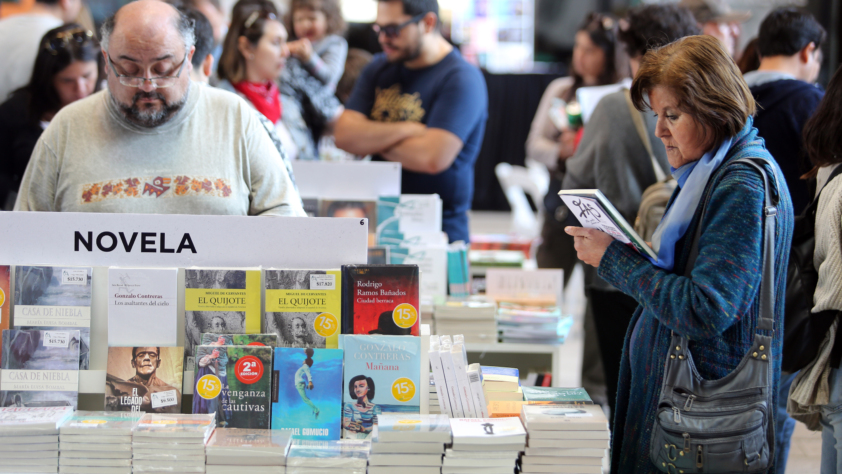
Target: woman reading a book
{"x":359,"y":418}
{"x":704,"y":119}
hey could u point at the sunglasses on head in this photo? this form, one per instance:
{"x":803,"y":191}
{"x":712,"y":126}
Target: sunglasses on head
{"x":65,"y":38}
{"x":256,"y":15}
{"x":393,"y":31}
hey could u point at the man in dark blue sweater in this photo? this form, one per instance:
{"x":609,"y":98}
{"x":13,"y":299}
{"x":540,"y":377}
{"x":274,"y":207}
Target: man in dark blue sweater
{"x":789,"y":44}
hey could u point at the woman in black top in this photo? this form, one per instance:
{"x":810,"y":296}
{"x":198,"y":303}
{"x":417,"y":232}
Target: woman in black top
{"x":67,"y":69}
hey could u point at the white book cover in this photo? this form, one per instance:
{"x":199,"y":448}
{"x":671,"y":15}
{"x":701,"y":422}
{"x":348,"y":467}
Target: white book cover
{"x":438,"y":376}
{"x":413,"y":427}
{"x":404,"y":460}
{"x":487,"y":431}
{"x":100,"y":423}
{"x":142,"y":306}
{"x":496,"y":454}
{"x":478,"y":394}
{"x":17,"y":421}
{"x":333,"y":454}
{"x":564,"y":418}
{"x":461,"y":371}
{"x":452,"y":385}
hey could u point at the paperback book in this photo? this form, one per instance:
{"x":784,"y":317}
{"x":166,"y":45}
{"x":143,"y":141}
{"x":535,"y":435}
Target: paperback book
{"x":40,"y":368}
{"x":235,"y":443}
{"x":329,"y":454}
{"x":173,"y":428}
{"x":564,"y":418}
{"x":235,"y":383}
{"x":393,"y":428}
{"x":269,"y":340}
{"x":32,"y":421}
{"x":55,"y":299}
{"x":553,"y":395}
{"x":389,"y":362}
{"x":380,"y":299}
{"x":5,"y":302}
{"x":487,"y":431}
{"x":221,"y":301}
{"x":100,"y":423}
{"x":144,"y":379}
{"x":595,"y":211}
{"x":307,"y":393}
{"x":304,"y":307}
{"x":142,"y":306}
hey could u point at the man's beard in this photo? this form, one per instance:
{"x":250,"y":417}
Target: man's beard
{"x":410,"y":53}
{"x":149,"y":117}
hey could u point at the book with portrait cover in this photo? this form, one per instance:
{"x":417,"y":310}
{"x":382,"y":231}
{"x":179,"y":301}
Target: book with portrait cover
{"x":380,"y":299}
{"x":270,"y":340}
{"x":5,"y":304}
{"x":235,"y":382}
{"x":144,"y":379}
{"x":307,"y":392}
{"x":142,"y":306}
{"x":304,"y":307}
{"x":40,"y":368}
{"x":382,"y":375}
{"x":55,"y":299}
{"x":221,"y":301}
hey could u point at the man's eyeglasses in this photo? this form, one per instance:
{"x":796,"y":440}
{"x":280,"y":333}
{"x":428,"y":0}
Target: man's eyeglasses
{"x":157,"y":82}
{"x":64,"y":38}
{"x":393,"y":31}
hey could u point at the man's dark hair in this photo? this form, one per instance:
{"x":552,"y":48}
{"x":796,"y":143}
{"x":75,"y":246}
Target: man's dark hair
{"x":203,"y":31}
{"x":339,"y":205}
{"x":653,"y":26}
{"x":418,"y":7}
{"x":134,"y":352}
{"x":786,"y":31}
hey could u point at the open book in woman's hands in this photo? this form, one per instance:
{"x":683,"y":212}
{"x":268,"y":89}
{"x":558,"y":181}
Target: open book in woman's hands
{"x":595,"y":211}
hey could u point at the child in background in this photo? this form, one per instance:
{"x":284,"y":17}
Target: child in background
{"x":308,"y":83}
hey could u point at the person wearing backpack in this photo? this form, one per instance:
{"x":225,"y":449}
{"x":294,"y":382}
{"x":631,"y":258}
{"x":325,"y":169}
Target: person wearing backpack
{"x":816,"y":393}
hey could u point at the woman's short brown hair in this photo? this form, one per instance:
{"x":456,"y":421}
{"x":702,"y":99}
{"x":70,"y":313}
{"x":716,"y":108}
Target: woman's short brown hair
{"x":705,"y":80}
{"x":247,"y":19}
{"x":331,"y":9}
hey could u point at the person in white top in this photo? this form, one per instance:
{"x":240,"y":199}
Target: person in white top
{"x":20,"y":36}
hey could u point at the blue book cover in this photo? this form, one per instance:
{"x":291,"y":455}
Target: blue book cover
{"x":382,"y":375}
{"x":307,"y":396}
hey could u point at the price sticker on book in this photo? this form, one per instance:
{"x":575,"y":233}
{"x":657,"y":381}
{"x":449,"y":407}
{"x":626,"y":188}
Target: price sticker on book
{"x":208,"y":387}
{"x":74,"y":276}
{"x":326,"y":324}
{"x":164,"y":399}
{"x":403,"y":389}
{"x":249,"y":369}
{"x":405,"y":315}
{"x":56,"y":339}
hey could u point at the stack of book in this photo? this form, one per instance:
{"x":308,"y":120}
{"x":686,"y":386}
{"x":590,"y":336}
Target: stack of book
{"x":474,"y":317}
{"x":484,"y":445}
{"x":539,"y":396}
{"x":233,"y":450}
{"x":171,"y":443}
{"x":97,"y":441}
{"x":409,"y":444}
{"x":435,"y":404}
{"x":458,"y":384}
{"x":501,"y":384}
{"x":29,"y":438}
{"x":348,"y":456}
{"x":574,"y":437}
{"x":532,"y":324}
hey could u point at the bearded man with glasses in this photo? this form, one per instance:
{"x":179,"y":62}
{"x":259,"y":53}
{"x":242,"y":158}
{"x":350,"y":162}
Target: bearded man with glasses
{"x":419,"y":103}
{"x":152,"y":143}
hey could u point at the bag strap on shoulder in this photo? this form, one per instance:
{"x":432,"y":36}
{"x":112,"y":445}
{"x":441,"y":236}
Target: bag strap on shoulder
{"x":766,"y":320}
{"x":637,"y":119}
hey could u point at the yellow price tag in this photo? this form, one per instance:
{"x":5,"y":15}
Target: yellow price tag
{"x":208,"y":387}
{"x":2,"y":297}
{"x":405,"y":315}
{"x":403,"y":389}
{"x":326,"y":325}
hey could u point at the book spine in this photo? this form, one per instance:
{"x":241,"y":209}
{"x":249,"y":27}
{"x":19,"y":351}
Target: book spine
{"x":452,"y":385}
{"x":441,"y":384}
{"x":462,"y":379}
{"x":347,"y":300}
{"x":476,"y":391}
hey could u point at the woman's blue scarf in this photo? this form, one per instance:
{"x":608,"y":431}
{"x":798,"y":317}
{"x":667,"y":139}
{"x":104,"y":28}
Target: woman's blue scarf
{"x":692,"y":179}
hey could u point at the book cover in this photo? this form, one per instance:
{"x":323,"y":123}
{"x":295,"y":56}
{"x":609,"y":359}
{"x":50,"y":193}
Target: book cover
{"x":328,"y":454}
{"x":5,"y":303}
{"x":500,"y":379}
{"x":307,"y":392}
{"x":55,"y":298}
{"x":142,"y":306}
{"x":160,"y":425}
{"x":413,"y":427}
{"x":144,"y":379}
{"x":221,"y":301}
{"x":409,"y":213}
{"x":32,"y":421}
{"x":304,"y":307}
{"x":237,"y":442}
{"x":40,"y":368}
{"x":378,"y":255}
{"x":553,"y":395}
{"x":357,"y":209}
{"x":564,"y":417}
{"x":311,"y":206}
{"x":432,"y":263}
{"x":487,"y":431}
{"x":102,"y":423}
{"x":382,"y":375}
{"x":380,"y":299}
{"x":269,"y":340}
{"x":235,"y":382}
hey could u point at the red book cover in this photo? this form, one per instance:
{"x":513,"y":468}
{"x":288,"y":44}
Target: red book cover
{"x":380,"y":299}
{"x":4,"y":303}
